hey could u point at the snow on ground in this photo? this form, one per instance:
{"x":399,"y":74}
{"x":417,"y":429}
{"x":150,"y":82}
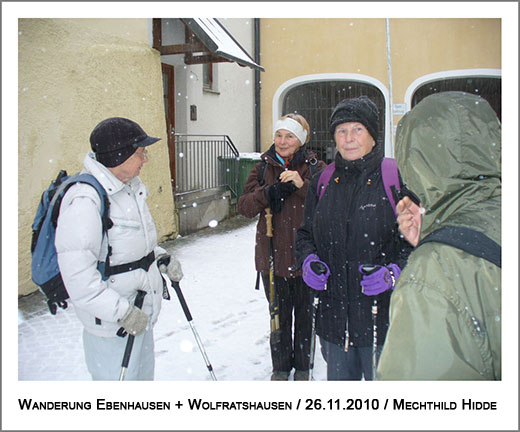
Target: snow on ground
{"x":230,"y":316}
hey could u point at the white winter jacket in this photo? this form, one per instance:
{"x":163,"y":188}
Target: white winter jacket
{"x":80,"y":245}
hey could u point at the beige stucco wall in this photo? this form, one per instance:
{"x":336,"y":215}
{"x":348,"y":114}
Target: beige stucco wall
{"x":294,"y":47}
{"x":424,"y":46}
{"x":73,"y":73}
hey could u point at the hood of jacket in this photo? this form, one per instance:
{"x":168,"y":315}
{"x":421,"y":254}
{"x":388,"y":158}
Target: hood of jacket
{"x":448,"y":149}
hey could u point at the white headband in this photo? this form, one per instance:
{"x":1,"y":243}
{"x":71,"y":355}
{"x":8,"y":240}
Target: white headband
{"x":292,"y":126}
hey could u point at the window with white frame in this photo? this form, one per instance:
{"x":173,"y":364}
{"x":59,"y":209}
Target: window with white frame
{"x":209,"y":76}
{"x":488,"y":87}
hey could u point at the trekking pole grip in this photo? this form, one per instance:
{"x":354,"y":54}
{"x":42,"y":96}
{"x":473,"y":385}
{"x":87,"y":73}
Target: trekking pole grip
{"x":269,"y":222}
{"x":176,"y":286}
{"x":138,"y":303}
{"x":139,"y":299}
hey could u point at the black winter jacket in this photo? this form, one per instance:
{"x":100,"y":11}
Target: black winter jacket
{"x":352,"y":224}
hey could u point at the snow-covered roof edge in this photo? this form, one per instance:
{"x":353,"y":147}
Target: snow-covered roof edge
{"x":219,"y":41}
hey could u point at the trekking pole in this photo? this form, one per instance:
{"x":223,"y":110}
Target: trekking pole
{"x":138,"y":303}
{"x":162,"y":263}
{"x":273,"y":298}
{"x":374,"y":340}
{"x":313,"y":335}
{"x":176,"y":286}
{"x":369,"y":269}
{"x":317,"y":268}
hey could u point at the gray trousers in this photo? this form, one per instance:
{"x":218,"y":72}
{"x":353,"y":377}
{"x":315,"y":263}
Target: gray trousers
{"x":104,"y":355}
{"x":353,"y":365}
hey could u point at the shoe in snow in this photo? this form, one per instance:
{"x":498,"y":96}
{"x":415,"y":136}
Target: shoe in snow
{"x":280,"y":376}
{"x":301,"y":375}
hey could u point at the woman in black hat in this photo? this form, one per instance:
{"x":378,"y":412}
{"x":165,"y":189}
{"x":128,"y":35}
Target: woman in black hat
{"x":351,"y":225}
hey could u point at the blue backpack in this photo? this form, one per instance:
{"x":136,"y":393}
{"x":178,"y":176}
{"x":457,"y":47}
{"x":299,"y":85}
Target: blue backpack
{"x":44,"y":267}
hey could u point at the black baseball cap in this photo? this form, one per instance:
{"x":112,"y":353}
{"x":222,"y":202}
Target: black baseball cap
{"x":115,"y":139}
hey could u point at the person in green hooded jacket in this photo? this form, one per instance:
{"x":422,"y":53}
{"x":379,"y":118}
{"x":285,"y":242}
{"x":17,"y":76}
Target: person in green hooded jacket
{"x":445,"y":311}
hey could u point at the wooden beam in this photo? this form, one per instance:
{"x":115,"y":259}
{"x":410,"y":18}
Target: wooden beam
{"x":157,"y":33}
{"x":192,"y":45}
{"x":182,"y":48}
{"x":206,"y":58}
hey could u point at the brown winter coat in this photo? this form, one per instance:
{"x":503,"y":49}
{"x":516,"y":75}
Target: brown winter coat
{"x":253,"y":202}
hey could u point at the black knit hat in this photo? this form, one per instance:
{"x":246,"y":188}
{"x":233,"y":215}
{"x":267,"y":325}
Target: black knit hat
{"x":115,"y":139}
{"x":360,"y":109}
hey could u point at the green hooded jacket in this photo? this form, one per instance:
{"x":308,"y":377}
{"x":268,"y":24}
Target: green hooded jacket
{"x":445,"y":312}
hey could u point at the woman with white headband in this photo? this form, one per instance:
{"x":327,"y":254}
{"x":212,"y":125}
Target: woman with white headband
{"x":279,"y":183}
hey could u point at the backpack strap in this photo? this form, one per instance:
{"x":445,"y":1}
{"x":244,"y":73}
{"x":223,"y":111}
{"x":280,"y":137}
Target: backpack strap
{"x":324,"y":179}
{"x":313,"y":163}
{"x":390,"y":179}
{"x":468,"y":240}
{"x":261,"y":173}
{"x":92,"y":181}
{"x":143,"y":263}
{"x":105,"y":203}
{"x":389,"y":172}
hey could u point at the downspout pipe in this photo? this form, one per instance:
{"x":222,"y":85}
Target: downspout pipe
{"x":390,"y":86}
{"x":257,"y":84}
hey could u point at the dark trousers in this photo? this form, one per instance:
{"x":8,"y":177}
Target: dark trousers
{"x":293,"y":296}
{"x":352,"y":365}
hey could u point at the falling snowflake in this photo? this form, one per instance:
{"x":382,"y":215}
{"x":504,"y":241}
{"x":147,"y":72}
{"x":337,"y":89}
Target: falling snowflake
{"x":186,"y":346}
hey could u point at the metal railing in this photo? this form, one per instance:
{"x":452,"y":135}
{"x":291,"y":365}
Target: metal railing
{"x":205,"y":162}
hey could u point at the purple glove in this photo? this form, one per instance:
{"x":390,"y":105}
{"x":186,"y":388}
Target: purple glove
{"x":315,"y":272}
{"x":379,"y":280}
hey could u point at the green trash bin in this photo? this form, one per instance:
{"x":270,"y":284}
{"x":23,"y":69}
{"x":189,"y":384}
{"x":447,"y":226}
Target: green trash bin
{"x":227,"y":170}
{"x":246,"y":162}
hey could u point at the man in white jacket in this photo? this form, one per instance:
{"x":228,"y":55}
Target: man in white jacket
{"x":103,"y":295}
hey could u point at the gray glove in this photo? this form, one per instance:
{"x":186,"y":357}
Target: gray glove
{"x":171,"y":266}
{"x":134,"y":321}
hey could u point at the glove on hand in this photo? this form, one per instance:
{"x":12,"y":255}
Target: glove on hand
{"x":379,"y":280}
{"x":134,"y":321}
{"x":171,"y":266}
{"x":278,"y":192}
{"x":315,"y":272}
